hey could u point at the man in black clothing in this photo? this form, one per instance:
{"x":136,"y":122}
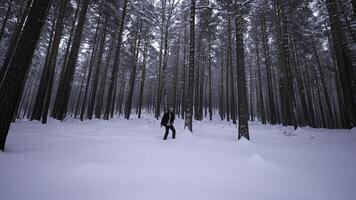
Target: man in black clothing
{"x":167,"y":121}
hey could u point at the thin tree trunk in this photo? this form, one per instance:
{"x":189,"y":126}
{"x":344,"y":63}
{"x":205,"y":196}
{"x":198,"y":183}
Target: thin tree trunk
{"x":189,"y":108}
{"x":136,"y":50}
{"x":260,"y":92}
{"x":272,"y":108}
{"x":91,"y":66}
{"x":231,"y":72}
{"x":94,"y":92}
{"x":210,"y":77}
{"x":143,"y":76}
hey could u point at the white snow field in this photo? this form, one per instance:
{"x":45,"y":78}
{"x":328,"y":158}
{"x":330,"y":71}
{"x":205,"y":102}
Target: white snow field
{"x":128,"y":160}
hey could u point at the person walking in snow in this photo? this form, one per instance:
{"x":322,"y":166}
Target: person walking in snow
{"x":167,"y":121}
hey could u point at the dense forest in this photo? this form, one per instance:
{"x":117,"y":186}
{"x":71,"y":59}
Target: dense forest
{"x":289,"y":62}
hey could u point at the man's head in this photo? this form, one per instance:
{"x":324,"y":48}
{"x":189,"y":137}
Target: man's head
{"x":170,"y":109}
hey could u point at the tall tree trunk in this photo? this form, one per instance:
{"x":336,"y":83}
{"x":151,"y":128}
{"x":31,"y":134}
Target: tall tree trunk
{"x":99,"y":104}
{"x":227,"y":97}
{"x":66,"y":54}
{"x":66,"y":85}
{"x":184,"y":76}
{"x":161,"y":60}
{"x":14,"y":40}
{"x":110,"y":97}
{"x":91,"y":66}
{"x":136,"y":50}
{"x":53,"y":59}
{"x":241,"y":83}
{"x":221,"y":99}
{"x":210,"y":77}
{"x":301,"y":88}
{"x":231,"y":72}
{"x":260,"y":91}
{"x":325,"y":91}
{"x":37,"y":110}
{"x":97,"y":65}
{"x":189,"y":108}
{"x":14,"y":80}
{"x":143,"y":76}
{"x":272,"y":108}
{"x":344,"y":62}
{"x":175,"y":81}
{"x":78,"y":103}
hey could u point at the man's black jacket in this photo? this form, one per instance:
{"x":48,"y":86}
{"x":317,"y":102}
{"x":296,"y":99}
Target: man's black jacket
{"x":166,"y":117}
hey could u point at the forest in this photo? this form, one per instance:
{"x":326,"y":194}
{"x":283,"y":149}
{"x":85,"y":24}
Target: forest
{"x":263,"y":94}
{"x":276,"y":61}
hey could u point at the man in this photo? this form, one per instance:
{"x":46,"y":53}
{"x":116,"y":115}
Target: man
{"x":167,"y":121}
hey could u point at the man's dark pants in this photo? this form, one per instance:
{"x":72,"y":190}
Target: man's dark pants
{"x":173,"y":132}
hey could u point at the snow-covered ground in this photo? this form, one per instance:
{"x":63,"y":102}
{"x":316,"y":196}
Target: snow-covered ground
{"x":128,"y":160}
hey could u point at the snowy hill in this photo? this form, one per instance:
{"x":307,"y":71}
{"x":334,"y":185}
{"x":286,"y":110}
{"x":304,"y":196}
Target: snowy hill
{"x":128,"y":160}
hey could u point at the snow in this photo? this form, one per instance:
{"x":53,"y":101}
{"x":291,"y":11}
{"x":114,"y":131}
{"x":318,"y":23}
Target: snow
{"x":128,"y":160}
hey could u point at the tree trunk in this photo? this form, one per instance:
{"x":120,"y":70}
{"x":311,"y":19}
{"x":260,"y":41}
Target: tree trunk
{"x":61,"y":76}
{"x":210,"y":77}
{"x":110,"y":97}
{"x":344,"y":62}
{"x":14,"y":80}
{"x":175,"y":81}
{"x":97,"y":66}
{"x":189,"y":108}
{"x":14,"y":40}
{"x":91,"y":66}
{"x":231,"y":73}
{"x":135,"y":54}
{"x":53,"y":58}
{"x":242,"y":97}
{"x":66,"y":85}
{"x":260,"y":91}
{"x":272,"y":108}
{"x":184,"y":76}
{"x":143,"y":76}
{"x":221,"y":99}
{"x":37,"y":110}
